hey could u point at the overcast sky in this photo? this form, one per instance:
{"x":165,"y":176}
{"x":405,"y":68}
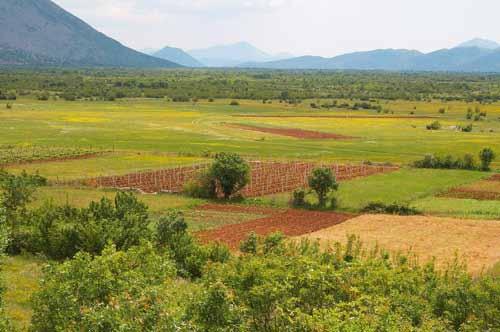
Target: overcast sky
{"x":318,"y":27}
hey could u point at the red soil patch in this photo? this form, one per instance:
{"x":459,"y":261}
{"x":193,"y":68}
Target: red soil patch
{"x":472,"y":194}
{"x":495,"y":177}
{"x":339,"y":116}
{"x":290,"y":223}
{"x":239,"y":209}
{"x":296,"y":133}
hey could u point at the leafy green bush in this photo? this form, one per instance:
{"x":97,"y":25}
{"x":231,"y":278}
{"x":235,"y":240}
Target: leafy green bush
{"x":204,"y":186}
{"x":117,"y":291}
{"x":172,"y":235}
{"x":436,"y":125}
{"x":394,"y":208}
{"x":234,"y":103}
{"x":59,"y":232}
{"x":299,"y":198}
{"x":449,"y":162}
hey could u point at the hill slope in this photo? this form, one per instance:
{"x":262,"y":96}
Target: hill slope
{"x":177,"y":55}
{"x":38,"y":32}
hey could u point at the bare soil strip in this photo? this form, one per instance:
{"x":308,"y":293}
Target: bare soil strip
{"x":290,"y":132}
{"x":476,"y":241}
{"x":464,"y":193}
{"x":495,"y":177}
{"x":240,"y":209}
{"x":290,"y":223}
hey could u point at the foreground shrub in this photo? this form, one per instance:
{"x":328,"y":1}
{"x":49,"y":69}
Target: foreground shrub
{"x":5,"y":324}
{"x":117,"y":291}
{"x":394,"y":208}
{"x":204,"y":186}
{"x":59,"y":232}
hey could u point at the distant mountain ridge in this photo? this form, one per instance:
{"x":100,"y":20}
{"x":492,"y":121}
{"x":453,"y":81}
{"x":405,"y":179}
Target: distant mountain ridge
{"x":177,"y":55}
{"x":233,"y":55}
{"x":463,"y":58}
{"x":40,"y":33}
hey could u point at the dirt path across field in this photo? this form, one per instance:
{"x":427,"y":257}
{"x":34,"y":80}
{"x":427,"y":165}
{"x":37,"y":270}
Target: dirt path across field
{"x":289,"y":222}
{"x":291,"y":132}
{"x":476,"y":241}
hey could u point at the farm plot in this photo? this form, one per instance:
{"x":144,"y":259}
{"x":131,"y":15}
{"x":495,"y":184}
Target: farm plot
{"x":266,"y":177}
{"x":482,"y":190}
{"x":475,"y":241}
{"x":289,"y":222}
{"x":296,"y":133}
{"x":19,"y":155}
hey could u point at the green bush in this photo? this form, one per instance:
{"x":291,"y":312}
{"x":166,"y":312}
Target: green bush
{"x":299,"y":198}
{"x":394,"y":208}
{"x":172,"y":235}
{"x":449,"y":162}
{"x":204,"y":186}
{"x":59,"y":232}
{"x":234,"y":103}
{"x":116,"y":291}
{"x":436,"y":125}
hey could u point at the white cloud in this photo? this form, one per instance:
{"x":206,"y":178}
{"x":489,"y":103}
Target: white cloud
{"x":319,"y":27}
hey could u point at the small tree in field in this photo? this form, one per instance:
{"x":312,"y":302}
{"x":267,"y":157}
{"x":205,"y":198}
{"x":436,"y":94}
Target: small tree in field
{"x":487,"y":156}
{"x":231,"y":172}
{"x":322,"y":181}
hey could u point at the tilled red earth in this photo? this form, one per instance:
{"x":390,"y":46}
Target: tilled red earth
{"x":266,"y":178}
{"x":291,"y":132}
{"x":495,"y":177}
{"x":290,"y":223}
{"x":240,"y":209}
{"x":464,"y":193}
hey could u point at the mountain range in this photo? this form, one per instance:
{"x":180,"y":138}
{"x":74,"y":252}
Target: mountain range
{"x":40,"y":33}
{"x":477,"y":55}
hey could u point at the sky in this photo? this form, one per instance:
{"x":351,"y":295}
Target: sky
{"x":300,"y":27}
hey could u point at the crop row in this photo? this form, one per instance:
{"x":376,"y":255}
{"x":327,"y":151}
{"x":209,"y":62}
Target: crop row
{"x":266,"y":177}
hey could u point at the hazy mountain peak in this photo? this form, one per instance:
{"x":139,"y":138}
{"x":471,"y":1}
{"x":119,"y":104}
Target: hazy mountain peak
{"x":480,"y":43}
{"x":177,"y":55}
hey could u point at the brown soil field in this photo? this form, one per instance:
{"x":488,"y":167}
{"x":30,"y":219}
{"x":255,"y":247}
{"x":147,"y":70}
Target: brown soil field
{"x":290,"y":132}
{"x":290,"y":223}
{"x":338,"y":116}
{"x":495,"y":177}
{"x":239,"y":209}
{"x":481,"y":190}
{"x":475,"y":241}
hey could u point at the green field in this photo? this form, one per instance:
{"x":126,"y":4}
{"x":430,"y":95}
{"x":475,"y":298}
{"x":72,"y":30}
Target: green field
{"x":194,"y":129}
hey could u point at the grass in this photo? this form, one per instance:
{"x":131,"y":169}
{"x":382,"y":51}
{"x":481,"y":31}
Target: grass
{"x":110,"y":164}
{"x":460,"y":208}
{"x":403,"y":186}
{"x":81,"y":197}
{"x":21,"y":275}
{"x":161,"y":126}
